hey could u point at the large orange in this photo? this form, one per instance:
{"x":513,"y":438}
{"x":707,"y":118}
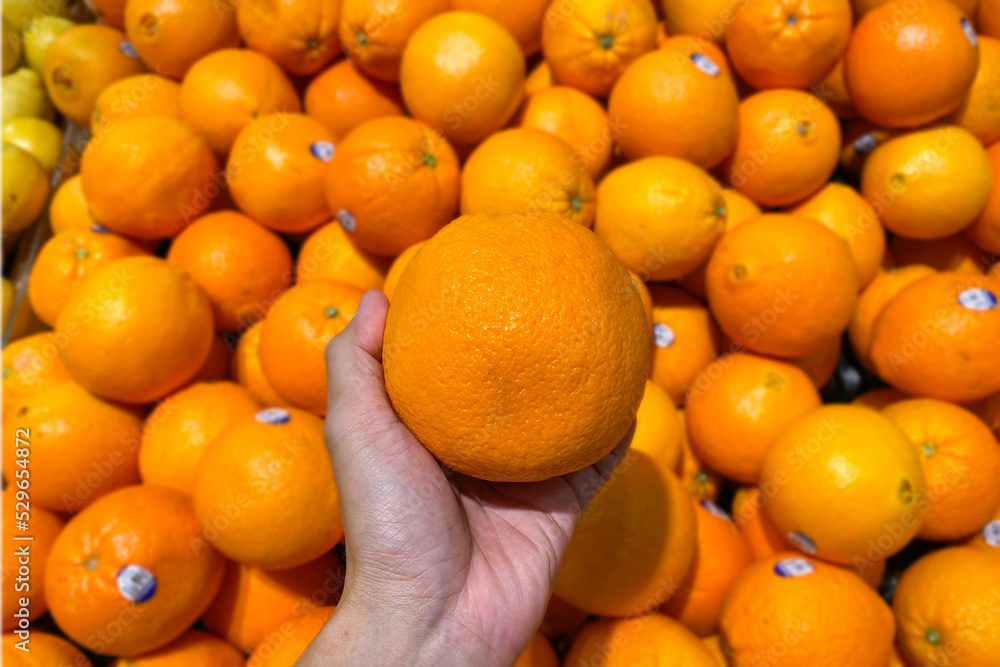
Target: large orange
{"x":137,"y":329}
{"x":720,"y":555}
{"x":341,"y":98}
{"x":738,"y":404}
{"x":300,"y":36}
{"x":988,"y":18}
{"x":848,"y":485}
{"x":844,"y":211}
{"x":935,"y":338}
{"x":222,"y":92}
{"x":242,"y":266}
{"x":264,"y":490}
{"x":634,"y":544}
{"x":285,"y":649}
{"x":780,"y":44}
{"x":985,"y":230}
{"x":684,"y":338}
{"x":788,"y":146}
{"x":29,"y":364}
{"x":669,"y":103}
{"x":661,"y":215}
{"x":782,"y":285}
{"x":216,"y":367}
{"x":374,"y":33}
{"x":81,"y":447}
{"x":43,"y":527}
{"x":135,"y":96}
{"x":699,"y":481}
{"x":527,"y":171}
{"x":589,"y":43}
{"x":68,"y":208}
{"x":111,"y":12}
{"x":193,"y":647}
{"x":690,"y":46}
{"x":946,"y":602}
{"x":46,"y":650}
{"x":382,"y":172}
{"x":538,"y":653}
{"x":396,"y":270}
{"x":929,"y":183}
{"x":648,"y":640}
{"x":294,"y":337}
{"x":709,"y":20}
{"x":659,"y":430}
{"x":175,"y":435}
{"x":463,"y":74}
{"x":81,"y":62}
{"x":871,"y":302}
{"x":898,"y":43}
{"x":253,"y":603}
{"x":980,"y":111}
{"x":949,"y":253}
{"x":762,"y":536}
{"x":65,"y":261}
{"x":807,"y":608}
{"x":512,"y":269}
{"x":961,"y":460}
{"x":277,"y":171}
{"x":132,"y":571}
{"x":523,"y":19}
{"x":171,"y":177}
{"x":246,"y":369}
{"x":170,"y":35}
{"x":331,"y":254}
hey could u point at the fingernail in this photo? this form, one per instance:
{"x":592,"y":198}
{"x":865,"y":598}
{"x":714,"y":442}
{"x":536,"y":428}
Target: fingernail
{"x":364,"y":299}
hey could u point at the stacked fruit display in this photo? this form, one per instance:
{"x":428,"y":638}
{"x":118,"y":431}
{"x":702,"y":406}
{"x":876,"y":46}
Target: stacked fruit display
{"x":764,"y":230}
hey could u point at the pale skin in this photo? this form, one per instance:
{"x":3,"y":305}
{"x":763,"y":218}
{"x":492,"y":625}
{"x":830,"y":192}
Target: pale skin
{"x":443,"y":569}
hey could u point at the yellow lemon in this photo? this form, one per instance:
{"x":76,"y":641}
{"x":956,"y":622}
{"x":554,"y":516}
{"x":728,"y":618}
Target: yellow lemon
{"x":12,"y":47}
{"x":39,"y":137}
{"x":19,"y":13}
{"x":38,"y":35}
{"x":25,"y":188}
{"x":24,"y":95}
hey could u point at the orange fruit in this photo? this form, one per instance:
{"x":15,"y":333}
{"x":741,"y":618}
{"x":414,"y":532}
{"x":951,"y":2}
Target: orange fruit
{"x":561,"y":618}
{"x":714,"y":646}
{"x":134,"y":97}
{"x":170,"y":36}
{"x":524,"y":368}
{"x":670,"y":103}
{"x":242,"y":266}
{"x":247,"y":372}
{"x":979,"y":113}
{"x":819,"y":366}
{"x":787,"y":147}
{"x":985,"y":229}
{"x":374,"y":33}
{"x":465,"y":98}
{"x":720,"y":555}
{"x":137,"y":329}
{"x":988,"y":538}
{"x":29,"y":364}
{"x":738,"y":404}
{"x":988,"y":18}
{"x":699,"y":481}
{"x":775,"y":44}
{"x":330,"y":254}
{"x":342,"y":97}
{"x":876,"y":399}
{"x":935,"y":338}
{"x":216,"y":366}
{"x":929,"y":183}
{"x":65,"y":261}
{"x":538,"y":653}
{"x":780,"y":264}
{"x":68,"y":208}
{"x":284,"y":649}
{"x":527,"y":171}
{"x":299,"y":36}
{"x":661,"y":215}
{"x":848,"y":484}
{"x":45,"y":649}
{"x":835,"y":95}
{"x":950,"y":253}
{"x":684,"y":338}
{"x":43,"y":527}
{"x":294,"y":337}
{"x":111,"y":12}
{"x":523,"y":19}
{"x":252,"y":603}
{"x":896,"y":44}
{"x":961,"y":461}
{"x":396,"y":270}
{"x":762,"y":536}
{"x":634,"y":544}
{"x":226,"y":89}
{"x":709,"y":21}
{"x":405,"y":157}
{"x":840,"y":208}
{"x":739,"y":207}
{"x":192,"y":647}
{"x":277,"y":171}
{"x":589,"y":43}
{"x":292,"y":518}
{"x":82,"y":62}
{"x":654,"y":640}
{"x":89,"y":446}
{"x":178,"y":430}
{"x":171,"y":177}
{"x":538,"y":79}
{"x":141,"y":545}
{"x":689,"y":46}
{"x":576,"y":118}
{"x":804,"y":606}
{"x":944,"y":601}
{"x":659,"y":430}
{"x":860,"y":138}
{"x":873,"y":299}
{"x":644,"y":295}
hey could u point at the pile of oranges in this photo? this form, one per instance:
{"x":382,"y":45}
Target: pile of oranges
{"x":801,"y":200}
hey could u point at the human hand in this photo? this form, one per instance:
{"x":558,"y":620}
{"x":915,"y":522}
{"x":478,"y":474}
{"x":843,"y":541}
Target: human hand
{"x":442,"y":568}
